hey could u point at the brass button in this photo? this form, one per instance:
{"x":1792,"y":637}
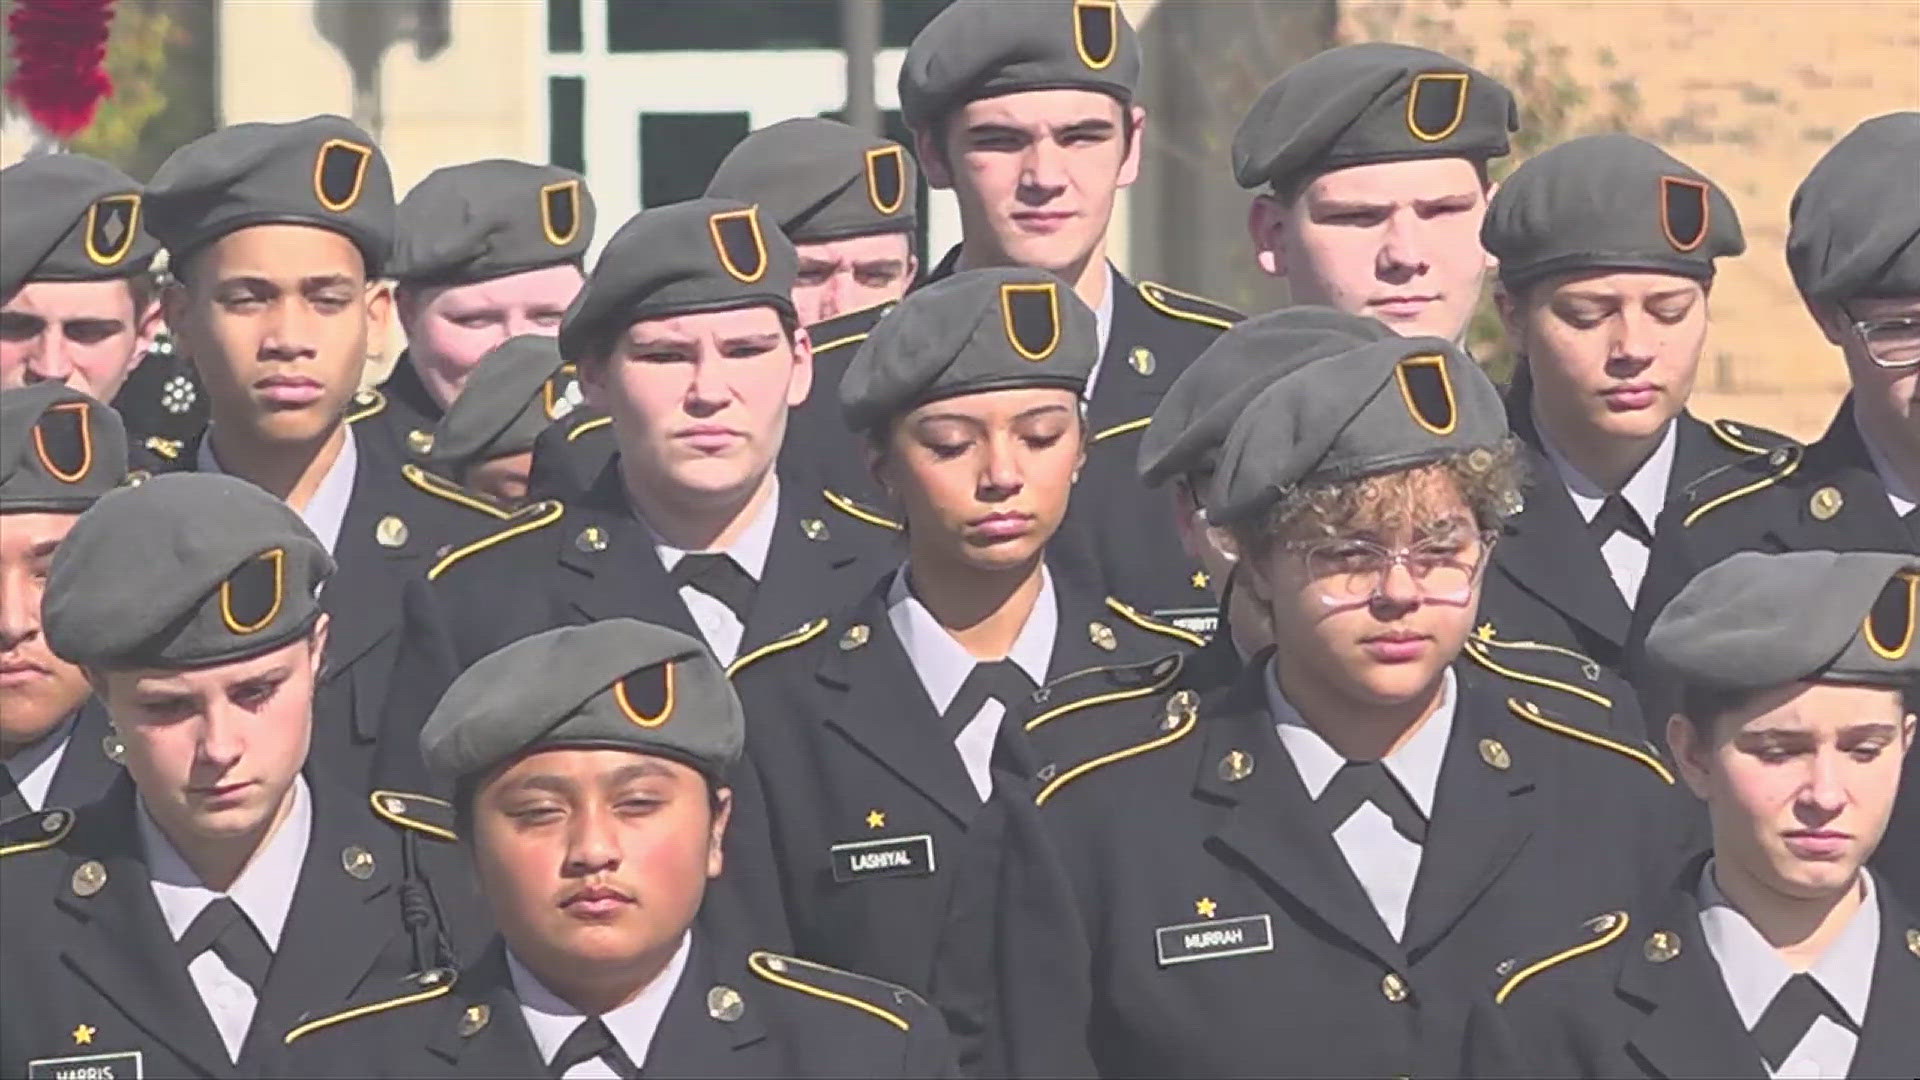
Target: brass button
{"x":391,"y":532}
{"x":394,"y":806}
{"x":1662,"y":946}
{"x":724,"y":1004}
{"x":88,"y":878}
{"x":1393,"y":987}
{"x":1236,"y":766}
{"x":420,"y":442}
{"x":53,"y":821}
{"x":1826,"y":503}
{"x":1494,"y":753}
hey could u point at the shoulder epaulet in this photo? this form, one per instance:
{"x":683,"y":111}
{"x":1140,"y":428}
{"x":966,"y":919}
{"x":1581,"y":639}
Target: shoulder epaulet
{"x":852,"y":328}
{"x":859,"y":511}
{"x":592,"y":423}
{"x":366,"y":403}
{"x":1179,"y":716}
{"x":1595,"y":934}
{"x":791,"y":641}
{"x":442,"y":488}
{"x":421,"y":813}
{"x":1749,"y":439}
{"x":35,"y":831}
{"x":527,"y":519}
{"x":1185,"y":305}
{"x":875,"y":997}
{"x":1540,"y":664}
{"x":1088,"y":687}
{"x":1132,"y":615}
{"x":1763,"y":467}
{"x":164,"y":447}
{"x":1561,"y":725}
{"x":416,"y":988}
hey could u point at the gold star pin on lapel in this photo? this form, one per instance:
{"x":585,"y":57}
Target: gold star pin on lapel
{"x":1200,"y":579}
{"x":1205,"y":906}
{"x":83,"y":1035}
{"x":876,"y":819}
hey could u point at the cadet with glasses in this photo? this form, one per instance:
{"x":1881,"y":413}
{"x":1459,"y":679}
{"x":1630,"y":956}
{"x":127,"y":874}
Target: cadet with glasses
{"x":1777,"y":952}
{"x":1306,"y":872}
{"x":593,"y":769}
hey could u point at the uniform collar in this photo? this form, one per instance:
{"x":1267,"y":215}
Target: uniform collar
{"x":1415,"y":764}
{"x":1103,"y":329}
{"x":550,"y":1019}
{"x":943,"y":664}
{"x":327,"y":510}
{"x":1645,"y":490}
{"x":749,"y":549}
{"x":264,"y":889}
{"x":1754,"y":971}
{"x":1902,"y":498}
{"x":33,"y":767}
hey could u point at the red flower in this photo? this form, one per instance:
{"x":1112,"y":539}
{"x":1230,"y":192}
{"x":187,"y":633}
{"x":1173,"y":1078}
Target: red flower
{"x":59,"y":47}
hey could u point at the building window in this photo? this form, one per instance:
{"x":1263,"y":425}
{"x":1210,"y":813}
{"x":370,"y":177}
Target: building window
{"x":680,"y":151}
{"x":566,"y":137}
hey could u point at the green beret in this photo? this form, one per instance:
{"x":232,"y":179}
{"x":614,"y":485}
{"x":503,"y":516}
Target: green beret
{"x":1754,"y":621}
{"x":1367,"y":103}
{"x":1190,"y":426}
{"x":488,"y":219}
{"x":59,"y":449}
{"x":619,"y":684}
{"x":507,"y":401}
{"x":1608,"y":202}
{"x":322,"y":171}
{"x":70,"y":218}
{"x":1855,"y":221}
{"x":992,"y":329}
{"x":979,"y":49}
{"x":699,"y":255}
{"x":820,"y":179}
{"x":185,"y":570}
{"x":1397,"y":403}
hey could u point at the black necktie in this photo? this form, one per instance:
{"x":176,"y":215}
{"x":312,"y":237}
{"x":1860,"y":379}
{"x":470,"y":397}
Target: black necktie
{"x":1790,"y":1015}
{"x":719,"y":577}
{"x":1000,"y":680}
{"x":1618,"y":515}
{"x":12,"y":802}
{"x":592,"y":1040}
{"x":224,"y":928}
{"x":1360,"y":782}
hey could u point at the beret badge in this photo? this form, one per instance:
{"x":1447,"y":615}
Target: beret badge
{"x":63,"y":438}
{"x":1684,"y":211}
{"x":1428,"y":391}
{"x":113,"y":223}
{"x":560,"y":212}
{"x":339,"y":173}
{"x":1031,"y":316}
{"x":646,"y":696}
{"x":1096,"y":31}
{"x":1889,"y":626}
{"x":250,"y":598}
{"x":1436,"y":104}
{"x":886,"y":179}
{"x":738,"y":242}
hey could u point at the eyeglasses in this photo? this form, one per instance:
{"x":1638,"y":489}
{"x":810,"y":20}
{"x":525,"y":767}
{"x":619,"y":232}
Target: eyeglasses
{"x":1892,"y":342}
{"x":1350,"y":572}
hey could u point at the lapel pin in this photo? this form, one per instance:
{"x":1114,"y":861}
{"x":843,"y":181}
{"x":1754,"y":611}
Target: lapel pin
{"x":1180,"y":709}
{"x":1141,"y":360}
{"x":591,"y":539}
{"x":83,"y":1035}
{"x":357,"y":862}
{"x":1393,"y":987}
{"x":855,"y":637}
{"x":474,"y":1019}
{"x":391,"y":532}
{"x":88,"y":878}
{"x":876,"y":818}
{"x":53,"y":821}
{"x":1826,"y":503}
{"x":814,"y":528}
{"x":1205,"y":907}
{"x":114,"y":749}
{"x":1604,"y":924}
{"x":1662,"y":946}
{"x":1494,"y":753}
{"x":420,"y":442}
{"x":1913,"y":942}
{"x":724,"y":1004}
{"x":1102,"y":636}
{"x":1236,"y":766}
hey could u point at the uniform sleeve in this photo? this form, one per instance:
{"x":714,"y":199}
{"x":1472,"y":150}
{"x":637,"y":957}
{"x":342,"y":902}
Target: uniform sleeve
{"x":422,"y":671}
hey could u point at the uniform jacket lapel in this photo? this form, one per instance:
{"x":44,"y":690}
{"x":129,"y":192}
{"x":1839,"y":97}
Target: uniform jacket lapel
{"x":623,"y":577}
{"x":120,"y":943}
{"x":1890,"y":1039}
{"x":1866,"y":521}
{"x":1688,"y":1025}
{"x":85,"y":771}
{"x":806,"y":554}
{"x":502,"y":1046}
{"x":691,"y":1040}
{"x":876,"y":699}
{"x":1130,"y":385}
{"x":1268,"y":821}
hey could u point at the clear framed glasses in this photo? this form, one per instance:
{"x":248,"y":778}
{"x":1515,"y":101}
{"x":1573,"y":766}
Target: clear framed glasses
{"x":1892,"y":342}
{"x":1349,"y":572}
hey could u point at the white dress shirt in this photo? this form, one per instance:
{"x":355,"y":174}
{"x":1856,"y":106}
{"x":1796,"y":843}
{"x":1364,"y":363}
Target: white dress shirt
{"x":1103,"y":329}
{"x":1385,"y":862}
{"x":721,"y":628}
{"x":326,"y":511}
{"x":943,"y":664}
{"x":263,"y":892}
{"x":1645,"y":491}
{"x":633,"y":1025}
{"x":1754,"y":972}
{"x":32,"y":767}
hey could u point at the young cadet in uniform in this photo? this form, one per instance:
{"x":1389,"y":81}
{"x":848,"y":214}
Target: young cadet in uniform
{"x":482,"y":252}
{"x":1307,"y":873}
{"x":1853,"y":244}
{"x":592,"y":765}
{"x":221,"y":888}
{"x":484,"y":441}
{"x":685,"y":335}
{"x":77,"y":303}
{"x":1606,"y":247}
{"x":1027,"y":113}
{"x":1776,"y":953}
{"x":59,"y":451}
{"x":278,"y":234}
{"x":1181,"y":449}
{"x":1371,"y":162}
{"x":879,"y":740}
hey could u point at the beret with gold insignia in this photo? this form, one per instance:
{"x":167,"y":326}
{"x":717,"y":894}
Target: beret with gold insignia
{"x":1397,"y":403}
{"x":59,"y":449}
{"x":487,"y":219}
{"x":686,"y":257}
{"x":184,"y":570}
{"x":978,"y":49}
{"x":992,"y":329}
{"x":1854,"y":226}
{"x":820,"y":180}
{"x":1367,"y":103}
{"x":1608,"y":202}
{"x":322,"y":171}
{"x":70,"y":218}
{"x":618,"y":684}
{"x":1759,"y":620}
{"x":509,"y":399}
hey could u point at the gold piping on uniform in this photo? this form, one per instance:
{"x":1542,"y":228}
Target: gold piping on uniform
{"x":852,"y":509}
{"x":445,"y":985}
{"x":378,"y":800}
{"x":757,"y":960}
{"x":1477,"y":650}
{"x":1530,"y":712}
{"x":1619,"y":927}
{"x":1085,"y":767}
{"x":1154,"y":625}
{"x":546,"y":517}
{"x":1122,"y":429}
{"x":448,"y":490}
{"x":799,"y":637}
